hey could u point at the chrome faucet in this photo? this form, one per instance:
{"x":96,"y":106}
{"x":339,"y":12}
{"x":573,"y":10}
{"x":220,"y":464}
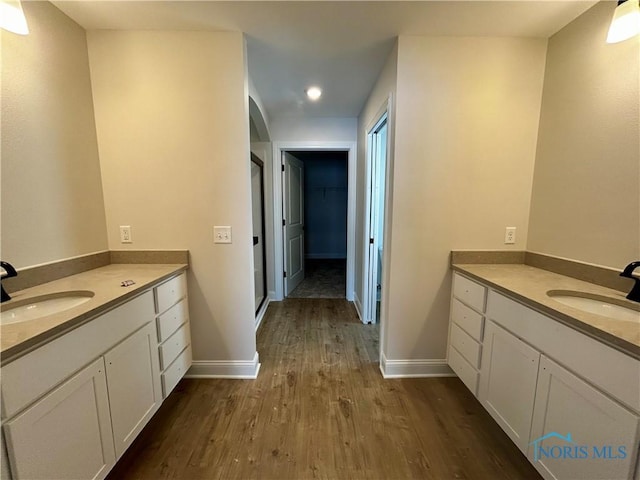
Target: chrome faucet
{"x":9,"y":272}
{"x":634,"y":294}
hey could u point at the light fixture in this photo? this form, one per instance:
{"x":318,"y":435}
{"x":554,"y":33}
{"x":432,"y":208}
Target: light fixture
{"x":626,"y":21}
{"x":12,"y":17}
{"x":314,"y":93}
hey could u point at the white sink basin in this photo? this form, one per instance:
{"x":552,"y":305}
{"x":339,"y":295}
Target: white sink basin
{"x":37,"y":307}
{"x":600,"y":305}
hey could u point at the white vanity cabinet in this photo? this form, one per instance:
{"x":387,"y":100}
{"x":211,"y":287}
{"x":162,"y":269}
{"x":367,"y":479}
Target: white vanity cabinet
{"x":508,"y":382}
{"x":174,"y":335}
{"x":570,"y":402}
{"x":466,"y":330}
{"x":71,"y":407}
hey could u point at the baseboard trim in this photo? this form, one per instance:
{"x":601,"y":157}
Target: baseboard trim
{"x":358,"y":304}
{"x":325,"y":256}
{"x":414,"y":368}
{"x":236,"y":369}
{"x":261,"y":313}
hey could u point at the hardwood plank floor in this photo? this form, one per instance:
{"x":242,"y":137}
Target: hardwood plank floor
{"x":321,"y":409}
{"x":323,"y":278}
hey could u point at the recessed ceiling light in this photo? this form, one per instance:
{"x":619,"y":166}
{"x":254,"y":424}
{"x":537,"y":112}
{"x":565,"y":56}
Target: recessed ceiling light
{"x":314,"y":93}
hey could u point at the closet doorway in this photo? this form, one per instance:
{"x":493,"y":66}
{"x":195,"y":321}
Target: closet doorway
{"x":280,"y":214}
{"x":315,"y":230}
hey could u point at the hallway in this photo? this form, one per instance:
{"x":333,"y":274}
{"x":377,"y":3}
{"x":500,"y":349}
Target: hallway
{"x":321,"y":409}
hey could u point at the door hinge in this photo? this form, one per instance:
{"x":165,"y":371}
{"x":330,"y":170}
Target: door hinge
{"x":283,"y":168}
{"x":284,"y":274}
{"x":284,"y":222}
{"x":371,"y":241}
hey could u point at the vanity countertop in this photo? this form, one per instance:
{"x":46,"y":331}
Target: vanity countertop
{"x":530,"y":285}
{"x":19,"y":338}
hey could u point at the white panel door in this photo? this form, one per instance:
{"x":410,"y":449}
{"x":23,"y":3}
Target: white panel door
{"x":377,"y":166}
{"x":133,"y":377}
{"x":67,"y":433}
{"x":294,"y":222}
{"x":508,"y":382}
{"x":596,"y":425}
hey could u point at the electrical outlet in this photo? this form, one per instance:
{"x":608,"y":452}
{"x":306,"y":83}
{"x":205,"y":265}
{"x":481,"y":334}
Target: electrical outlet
{"x":125,"y":234}
{"x":221,"y":234}
{"x":510,"y":235}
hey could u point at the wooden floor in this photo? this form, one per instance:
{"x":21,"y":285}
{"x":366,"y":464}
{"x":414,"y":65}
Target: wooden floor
{"x":321,"y":409}
{"x":323,"y":278}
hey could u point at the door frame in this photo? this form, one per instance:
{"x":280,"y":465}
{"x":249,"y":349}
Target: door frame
{"x":258,"y":161}
{"x":278,"y":149}
{"x":368,"y":291}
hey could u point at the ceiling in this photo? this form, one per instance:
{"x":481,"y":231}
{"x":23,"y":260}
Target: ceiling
{"x":339,"y":45}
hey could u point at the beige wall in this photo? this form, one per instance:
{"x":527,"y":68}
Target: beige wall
{"x":173,"y":134}
{"x":384,"y":88}
{"x":313,"y":129}
{"x":586,"y":189}
{"x":52,"y":205}
{"x":467,"y":115}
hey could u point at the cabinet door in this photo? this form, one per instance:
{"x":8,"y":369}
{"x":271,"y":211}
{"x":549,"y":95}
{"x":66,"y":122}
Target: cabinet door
{"x":600,"y":437}
{"x":133,"y":378}
{"x":66,"y":434}
{"x":508,"y":382}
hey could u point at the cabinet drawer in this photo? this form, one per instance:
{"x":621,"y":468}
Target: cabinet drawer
{"x":464,"y":370}
{"x":170,"y":292}
{"x":55,"y":361}
{"x":467,"y":319}
{"x":170,"y":349}
{"x":465,"y":345}
{"x":171,"y":320}
{"x":175,"y":372}
{"x":469,"y":292}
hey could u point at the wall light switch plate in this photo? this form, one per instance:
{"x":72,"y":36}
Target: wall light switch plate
{"x":510,"y":235}
{"x":125,"y":234}
{"x":221,"y":234}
